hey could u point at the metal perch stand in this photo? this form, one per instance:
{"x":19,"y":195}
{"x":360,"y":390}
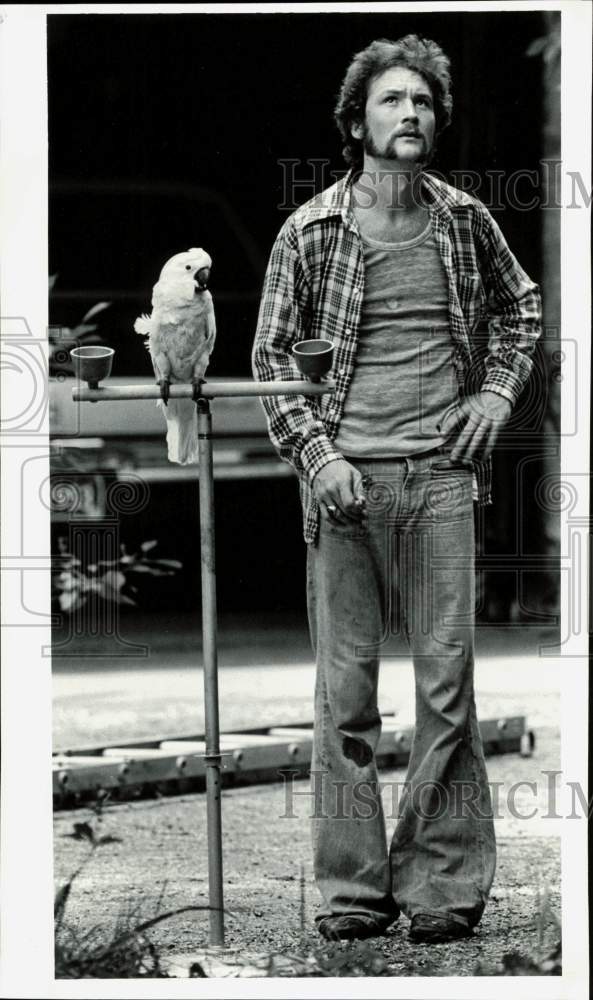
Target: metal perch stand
{"x":94,"y":364}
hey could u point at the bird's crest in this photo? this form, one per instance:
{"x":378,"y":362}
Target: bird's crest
{"x":193,"y":259}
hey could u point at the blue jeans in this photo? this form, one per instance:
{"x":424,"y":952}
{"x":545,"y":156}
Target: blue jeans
{"x":410,"y":565}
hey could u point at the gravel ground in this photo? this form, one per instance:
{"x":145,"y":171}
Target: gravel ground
{"x":160,"y":863}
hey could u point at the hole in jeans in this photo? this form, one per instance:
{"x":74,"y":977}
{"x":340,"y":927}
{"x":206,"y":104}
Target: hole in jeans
{"x":357,"y":750}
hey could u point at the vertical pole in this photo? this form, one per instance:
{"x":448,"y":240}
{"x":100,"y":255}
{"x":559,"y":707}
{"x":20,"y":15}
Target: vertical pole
{"x":209,"y":628}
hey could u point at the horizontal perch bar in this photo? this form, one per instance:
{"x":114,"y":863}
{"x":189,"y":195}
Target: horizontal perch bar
{"x":209,"y":390}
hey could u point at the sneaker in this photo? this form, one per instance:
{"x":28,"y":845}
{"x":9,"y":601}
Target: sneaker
{"x":431,"y":929}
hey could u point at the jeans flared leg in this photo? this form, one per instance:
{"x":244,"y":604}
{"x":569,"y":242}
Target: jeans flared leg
{"x":348,"y":828}
{"x":443,"y":851}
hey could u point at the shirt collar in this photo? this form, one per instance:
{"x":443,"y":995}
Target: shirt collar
{"x":337,"y":201}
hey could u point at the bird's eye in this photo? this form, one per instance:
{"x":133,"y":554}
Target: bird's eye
{"x":188,"y":267}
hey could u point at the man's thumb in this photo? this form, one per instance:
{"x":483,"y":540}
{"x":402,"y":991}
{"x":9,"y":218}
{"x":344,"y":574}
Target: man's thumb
{"x":454,"y":418}
{"x":356,"y":483}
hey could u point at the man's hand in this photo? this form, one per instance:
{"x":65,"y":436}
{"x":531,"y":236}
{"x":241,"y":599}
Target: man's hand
{"x":338,"y":491}
{"x":482,"y":416}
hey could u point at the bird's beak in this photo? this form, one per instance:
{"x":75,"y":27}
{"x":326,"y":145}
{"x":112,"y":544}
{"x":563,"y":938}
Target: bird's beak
{"x":201,"y":278}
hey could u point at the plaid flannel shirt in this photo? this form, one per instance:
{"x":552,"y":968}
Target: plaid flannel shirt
{"x":314,"y":287}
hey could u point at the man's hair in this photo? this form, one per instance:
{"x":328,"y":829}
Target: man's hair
{"x":418,"y":54}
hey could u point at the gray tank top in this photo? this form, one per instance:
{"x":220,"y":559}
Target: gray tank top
{"x":404,"y":378}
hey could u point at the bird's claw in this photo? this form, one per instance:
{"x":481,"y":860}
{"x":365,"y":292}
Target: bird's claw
{"x":197,"y":384}
{"x":164,"y":386}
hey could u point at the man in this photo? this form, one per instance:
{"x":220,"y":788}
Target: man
{"x":397,"y":268}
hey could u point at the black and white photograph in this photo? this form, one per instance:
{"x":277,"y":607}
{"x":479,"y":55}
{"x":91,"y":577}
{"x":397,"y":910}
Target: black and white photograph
{"x":295,"y":344}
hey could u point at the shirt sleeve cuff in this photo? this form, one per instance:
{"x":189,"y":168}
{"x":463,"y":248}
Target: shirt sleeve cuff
{"x":316,"y":453}
{"x":495,"y":384}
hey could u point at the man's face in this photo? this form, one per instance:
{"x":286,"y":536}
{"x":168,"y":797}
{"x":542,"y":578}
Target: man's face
{"x":399,"y":117}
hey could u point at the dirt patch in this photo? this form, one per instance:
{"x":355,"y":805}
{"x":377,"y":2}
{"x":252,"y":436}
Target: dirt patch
{"x":160,"y":863}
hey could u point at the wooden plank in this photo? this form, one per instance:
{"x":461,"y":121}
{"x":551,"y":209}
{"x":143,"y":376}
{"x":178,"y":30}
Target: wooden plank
{"x":249,"y":740}
{"x":397,"y":722}
{"x":274,"y":757}
{"x":245,"y":753}
{"x":124,"y":773}
{"x":292,"y":732}
{"x":136,"y":753}
{"x":64,"y":762}
{"x":503,"y":728}
{"x":183,"y":746}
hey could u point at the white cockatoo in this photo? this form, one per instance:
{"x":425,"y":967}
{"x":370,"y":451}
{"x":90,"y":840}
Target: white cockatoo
{"x":181,"y":331}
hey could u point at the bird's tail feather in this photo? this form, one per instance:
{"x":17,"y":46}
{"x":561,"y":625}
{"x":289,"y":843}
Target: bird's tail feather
{"x":182,"y":431}
{"x":143,"y":325}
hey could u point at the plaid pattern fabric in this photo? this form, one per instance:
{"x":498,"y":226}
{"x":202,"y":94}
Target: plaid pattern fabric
{"x":314,"y":287}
